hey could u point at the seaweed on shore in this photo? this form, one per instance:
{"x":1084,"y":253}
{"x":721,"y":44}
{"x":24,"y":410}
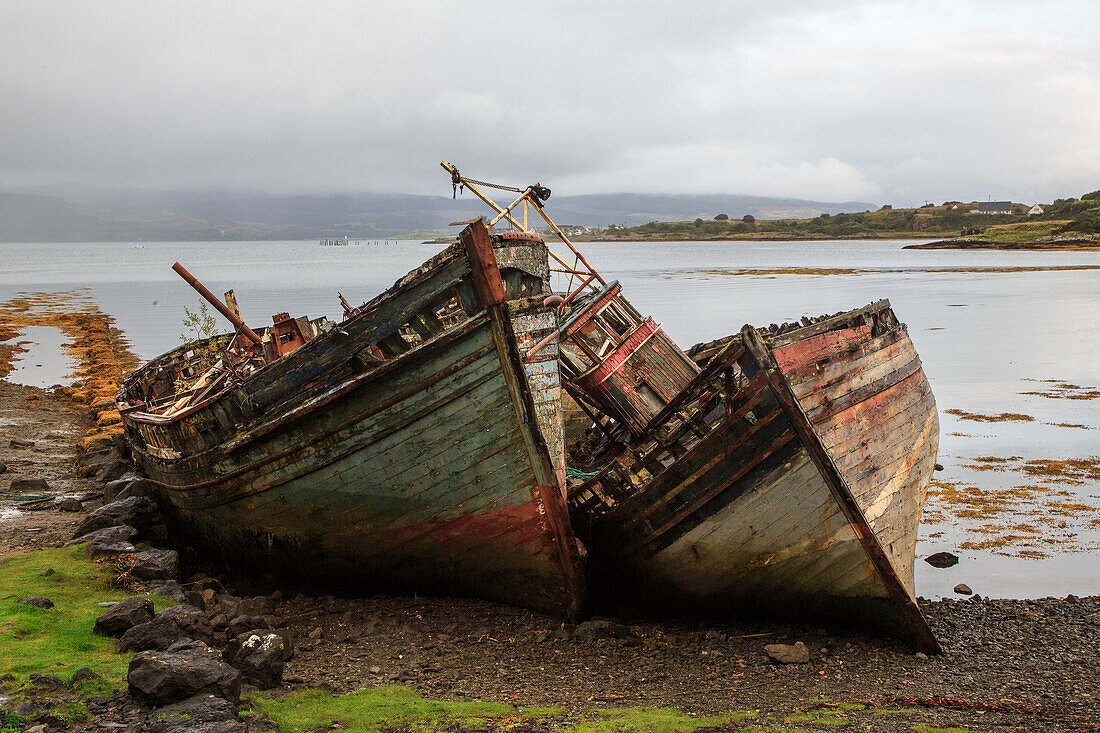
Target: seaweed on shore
{"x":100,"y":351}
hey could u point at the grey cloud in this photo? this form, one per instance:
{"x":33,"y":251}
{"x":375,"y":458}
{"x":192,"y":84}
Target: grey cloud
{"x":897,"y":101}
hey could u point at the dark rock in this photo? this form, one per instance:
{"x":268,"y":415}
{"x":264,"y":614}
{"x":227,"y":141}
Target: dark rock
{"x":138,"y":487}
{"x":47,"y":573}
{"x":788,"y":653}
{"x":151,"y":564}
{"x":241,"y":624}
{"x":123,"y":616}
{"x":255,"y":606}
{"x":120,"y":533}
{"x":204,"y":713}
{"x":29,"y":486}
{"x":167,"y":627}
{"x":3,"y":467}
{"x":16,"y":443}
{"x":602,"y":628}
{"x":942,"y":560}
{"x":46,"y":681}
{"x":260,"y":655}
{"x":111,"y":470}
{"x":83,"y":675}
{"x":88,"y":463}
{"x":112,"y":488}
{"x":168,"y":589}
{"x":137,"y":512}
{"x":47,"y":720}
{"x":183,"y":670}
{"x":37,"y":601}
{"x":110,"y":548}
{"x":70,"y":504}
{"x":963,"y":589}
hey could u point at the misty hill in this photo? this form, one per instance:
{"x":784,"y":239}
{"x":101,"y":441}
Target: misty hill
{"x":220,"y":216}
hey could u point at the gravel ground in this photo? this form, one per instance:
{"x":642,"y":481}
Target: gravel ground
{"x":1007,"y":664}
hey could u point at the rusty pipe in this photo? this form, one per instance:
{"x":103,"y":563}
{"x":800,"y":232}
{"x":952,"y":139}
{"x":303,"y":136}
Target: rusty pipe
{"x":213,"y":300}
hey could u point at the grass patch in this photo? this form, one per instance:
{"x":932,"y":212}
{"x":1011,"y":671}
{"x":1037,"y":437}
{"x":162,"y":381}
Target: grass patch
{"x":658,"y":720}
{"x":397,"y":707}
{"x":59,"y":640}
{"x":831,"y":718}
{"x":380,"y":708}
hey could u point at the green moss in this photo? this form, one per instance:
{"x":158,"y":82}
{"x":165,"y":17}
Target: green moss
{"x":660,"y":720}
{"x":771,"y":729}
{"x":58,"y":640}
{"x":820,"y":718}
{"x":71,"y":712}
{"x":377,"y":709}
{"x":888,"y":711}
{"x":933,"y":729}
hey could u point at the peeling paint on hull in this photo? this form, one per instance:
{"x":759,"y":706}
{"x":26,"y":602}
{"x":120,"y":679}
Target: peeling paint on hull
{"x":782,"y":504}
{"x":428,"y":472}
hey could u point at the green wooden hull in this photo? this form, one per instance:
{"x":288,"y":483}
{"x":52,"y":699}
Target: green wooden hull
{"x":428,"y":471}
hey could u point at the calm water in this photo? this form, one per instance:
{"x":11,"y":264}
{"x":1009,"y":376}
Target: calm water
{"x":989,"y":326}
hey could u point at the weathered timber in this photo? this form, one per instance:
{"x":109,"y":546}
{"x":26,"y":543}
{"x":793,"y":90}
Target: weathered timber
{"x":798,"y":485}
{"x":436,"y":467}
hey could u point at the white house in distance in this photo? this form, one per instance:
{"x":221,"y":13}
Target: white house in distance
{"x":993,"y":207}
{"x":1035,"y":210}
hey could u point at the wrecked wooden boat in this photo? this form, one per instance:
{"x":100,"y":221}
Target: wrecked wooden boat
{"x":784,"y":472}
{"x":409,"y":446}
{"x":786,"y":476}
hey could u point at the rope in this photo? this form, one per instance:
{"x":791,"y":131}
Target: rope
{"x":576,"y":473}
{"x":497,"y":186}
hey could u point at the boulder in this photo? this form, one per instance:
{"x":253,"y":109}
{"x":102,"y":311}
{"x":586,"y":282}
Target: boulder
{"x":942,"y":560}
{"x":111,"y":488}
{"x":37,"y":601}
{"x":69,"y":504}
{"x":137,"y":487}
{"x":124,"y":616}
{"x":204,"y":713}
{"x":796,"y":653}
{"x":962,"y":589}
{"x":84,"y":674}
{"x":21,"y":485}
{"x":183,"y":670}
{"x":88,"y":463}
{"x":111,"y":470}
{"x":240,"y":624}
{"x":110,"y":548}
{"x":3,"y":467}
{"x":169,"y":589}
{"x":167,"y":627}
{"x":137,"y":512}
{"x":151,"y":564}
{"x":17,"y":443}
{"x":121,"y":532}
{"x":46,"y":681}
{"x":260,"y":655}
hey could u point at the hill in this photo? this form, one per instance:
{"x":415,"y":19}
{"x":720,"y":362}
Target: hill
{"x":949,"y":219}
{"x":184,"y":215}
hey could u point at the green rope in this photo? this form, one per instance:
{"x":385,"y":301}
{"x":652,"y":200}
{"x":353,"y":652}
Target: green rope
{"x":575,"y":473}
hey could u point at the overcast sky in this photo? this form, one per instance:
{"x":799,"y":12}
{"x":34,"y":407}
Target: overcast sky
{"x":890,"y":102}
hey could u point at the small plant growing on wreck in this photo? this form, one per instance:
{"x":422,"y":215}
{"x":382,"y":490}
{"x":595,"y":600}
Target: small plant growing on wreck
{"x":199,"y":325}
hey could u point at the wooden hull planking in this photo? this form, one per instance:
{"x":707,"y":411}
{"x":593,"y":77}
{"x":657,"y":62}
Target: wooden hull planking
{"x":429,"y":471}
{"x":760,"y":506}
